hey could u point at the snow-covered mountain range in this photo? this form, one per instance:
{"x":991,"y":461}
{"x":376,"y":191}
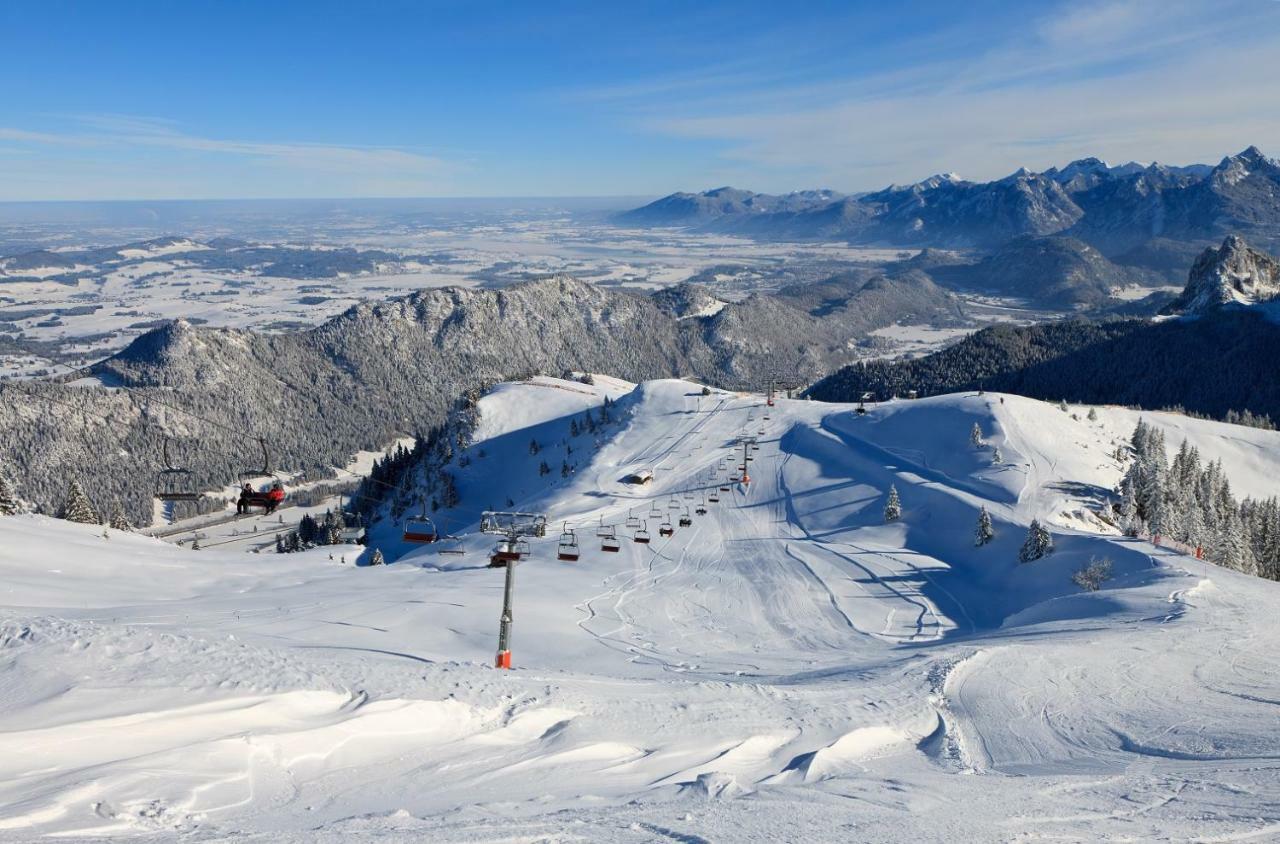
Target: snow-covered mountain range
{"x":1117,"y":210}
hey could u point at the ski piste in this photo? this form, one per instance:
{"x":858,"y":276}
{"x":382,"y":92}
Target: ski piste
{"x":788,"y":666}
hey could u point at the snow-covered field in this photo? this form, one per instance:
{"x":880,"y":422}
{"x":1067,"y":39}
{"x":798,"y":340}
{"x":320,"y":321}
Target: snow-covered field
{"x":788,"y":668}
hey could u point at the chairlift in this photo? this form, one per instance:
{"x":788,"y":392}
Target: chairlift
{"x":610,"y":542}
{"x":633,"y":521}
{"x":174,"y":483}
{"x":674,"y":503}
{"x":642,"y":534}
{"x":507,"y":552}
{"x":604,"y":530}
{"x":688,"y":495}
{"x":655,"y":511}
{"x":568,"y":550}
{"x":420,"y":530}
{"x":685,"y":519}
{"x":666,"y":529}
{"x":713,"y":498}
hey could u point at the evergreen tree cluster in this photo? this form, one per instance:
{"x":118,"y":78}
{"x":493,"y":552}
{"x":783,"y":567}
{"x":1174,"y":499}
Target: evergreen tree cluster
{"x":1220,"y":365}
{"x":312,"y":532}
{"x":1191,"y":502}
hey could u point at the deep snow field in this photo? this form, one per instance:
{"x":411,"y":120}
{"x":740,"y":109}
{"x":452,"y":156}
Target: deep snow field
{"x":788,"y":668}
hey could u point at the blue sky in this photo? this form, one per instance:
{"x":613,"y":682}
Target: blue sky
{"x":119,"y":100}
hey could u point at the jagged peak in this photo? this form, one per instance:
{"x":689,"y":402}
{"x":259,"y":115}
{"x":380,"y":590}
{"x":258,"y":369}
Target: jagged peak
{"x":1234,"y":273}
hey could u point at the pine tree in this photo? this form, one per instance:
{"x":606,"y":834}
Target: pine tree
{"x":975,"y":435}
{"x":1093,"y":415}
{"x":996,"y":456}
{"x":1062,"y":405}
{"x":78,"y":508}
{"x":279,"y":544}
{"x":533,"y":446}
{"x":119,"y":521}
{"x":1039,"y":542}
{"x":9,"y":503}
{"x":985,"y":532}
{"x":377,"y":559}
{"x":893,"y":507}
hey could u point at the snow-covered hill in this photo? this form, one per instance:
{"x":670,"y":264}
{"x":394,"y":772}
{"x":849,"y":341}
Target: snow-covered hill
{"x":788,"y":667}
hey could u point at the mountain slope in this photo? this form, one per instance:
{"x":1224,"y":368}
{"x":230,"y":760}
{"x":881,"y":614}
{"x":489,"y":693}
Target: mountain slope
{"x":384,"y":370}
{"x":1213,"y":365}
{"x":1231,"y":274}
{"x":789,"y":648}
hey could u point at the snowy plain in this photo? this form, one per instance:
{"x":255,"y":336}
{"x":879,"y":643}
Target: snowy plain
{"x":789,"y":667}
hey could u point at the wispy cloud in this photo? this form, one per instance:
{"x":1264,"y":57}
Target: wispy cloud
{"x":317,"y":168}
{"x":1176,"y":80}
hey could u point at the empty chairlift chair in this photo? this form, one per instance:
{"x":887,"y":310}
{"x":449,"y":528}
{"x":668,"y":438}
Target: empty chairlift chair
{"x":568,"y":550}
{"x":610,"y":542}
{"x":506,"y":553}
{"x":633,"y":521}
{"x":174,"y":483}
{"x":642,"y":534}
{"x":420,"y":530}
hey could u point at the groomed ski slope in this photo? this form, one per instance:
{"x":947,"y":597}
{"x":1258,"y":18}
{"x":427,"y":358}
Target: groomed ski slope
{"x":788,"y":668}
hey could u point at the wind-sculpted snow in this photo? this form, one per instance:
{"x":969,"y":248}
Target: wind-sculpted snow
{"x":789,"y":666}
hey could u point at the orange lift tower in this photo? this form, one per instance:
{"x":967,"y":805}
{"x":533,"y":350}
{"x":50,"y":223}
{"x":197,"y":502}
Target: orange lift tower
{"x":510,"y":526}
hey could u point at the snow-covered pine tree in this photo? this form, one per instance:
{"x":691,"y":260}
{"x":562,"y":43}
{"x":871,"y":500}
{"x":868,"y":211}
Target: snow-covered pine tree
{"x":996,"y":456}
{"x":893,"y":507}
{"x":119,"y":521}
{"x":985,"y":532}
{"x":1093,"y":414}
{"x":279,"y":544}
{"x":1062,"y":405}
{"x":975,"y":435}
{"x":1039,"y":542}
{"x":9,"y":503}
{"x":377,"y":559}
{"x":78,"y":508}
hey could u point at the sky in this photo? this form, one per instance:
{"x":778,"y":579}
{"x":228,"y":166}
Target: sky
{"x":232,"y":99}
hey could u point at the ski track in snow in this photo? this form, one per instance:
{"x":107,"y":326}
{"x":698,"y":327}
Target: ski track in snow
{"x":789,"y":667}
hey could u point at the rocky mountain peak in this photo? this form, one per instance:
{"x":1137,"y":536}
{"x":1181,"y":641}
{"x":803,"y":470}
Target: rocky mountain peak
{"x":1234,"y":273}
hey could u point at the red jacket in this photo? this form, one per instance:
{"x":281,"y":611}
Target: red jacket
{"x":276,"y":494}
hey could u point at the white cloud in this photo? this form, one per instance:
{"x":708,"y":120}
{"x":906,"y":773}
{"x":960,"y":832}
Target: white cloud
{"x":1127,"y":79}
{"x":106,"y":147}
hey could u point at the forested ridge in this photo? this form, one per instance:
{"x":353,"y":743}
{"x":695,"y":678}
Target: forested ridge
{"x":383,"y":370}
{"x":1221,"y":362}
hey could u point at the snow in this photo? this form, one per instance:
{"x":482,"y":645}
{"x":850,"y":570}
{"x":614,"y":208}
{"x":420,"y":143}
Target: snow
{"x":788,"y":668}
